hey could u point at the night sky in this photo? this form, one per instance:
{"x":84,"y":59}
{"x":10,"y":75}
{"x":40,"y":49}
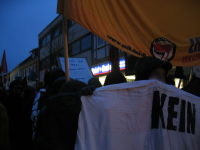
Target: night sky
{"x":20,"y":23}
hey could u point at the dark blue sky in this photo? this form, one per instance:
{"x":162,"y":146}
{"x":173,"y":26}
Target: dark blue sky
{"x":20,"y":23}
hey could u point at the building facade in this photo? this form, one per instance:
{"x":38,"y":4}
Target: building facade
{"x":24,"y":68}
{"x":81,"y":43}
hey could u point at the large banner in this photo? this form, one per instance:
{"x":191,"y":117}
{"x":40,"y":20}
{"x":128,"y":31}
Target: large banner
{"x":168,"y":30}
{"x":142,"y":115}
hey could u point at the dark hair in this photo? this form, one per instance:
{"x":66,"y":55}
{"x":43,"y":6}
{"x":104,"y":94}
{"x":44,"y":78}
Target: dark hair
{"x":72,"y":86}
{"x":15,"y":83}
{"x":94,"y":81}
{"x":115,"y":77}
{"x":55,"y":74}
{"x":57,"y":85}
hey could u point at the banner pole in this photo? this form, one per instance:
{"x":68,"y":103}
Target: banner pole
{"x":66,"y":48}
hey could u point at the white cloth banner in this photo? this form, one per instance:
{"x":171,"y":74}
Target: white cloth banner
{"x":142,"y":115}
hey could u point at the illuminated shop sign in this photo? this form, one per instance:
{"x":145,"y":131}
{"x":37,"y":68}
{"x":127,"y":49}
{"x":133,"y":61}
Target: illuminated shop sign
{"x":106,"y":68}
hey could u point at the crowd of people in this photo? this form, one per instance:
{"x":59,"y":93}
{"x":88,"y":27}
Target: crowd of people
{"x":47,"y":118}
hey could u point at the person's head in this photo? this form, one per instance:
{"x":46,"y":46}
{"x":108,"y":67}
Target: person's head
{"x":55,"y":74}
{"x":16,"y":87}
{"x":72,"y":86}
{"x":115,"y":77}
{"x":94,"y":81}
{"x":58,"y":83}
{"x":152,"y":68}
{"x":28,"y":90}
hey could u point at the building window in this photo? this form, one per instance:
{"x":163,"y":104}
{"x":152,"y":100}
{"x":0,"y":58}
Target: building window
{"x":44,"y":62}
{"x":101,"y":48}
{"x":100,"y":42}
{"x":81,"y":45}
{"x":75,"y":47}
{"x":57,"y":31}
{"x":86,"y":43}
{"x":107,"y":50}
{"x":101,"y":53}
{"x":95,"y":42}
{"x":46,"y":40}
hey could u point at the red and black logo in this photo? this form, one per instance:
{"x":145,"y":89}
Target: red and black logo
{"x":163,"y":49}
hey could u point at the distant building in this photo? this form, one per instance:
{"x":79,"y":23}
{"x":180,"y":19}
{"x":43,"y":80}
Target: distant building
{"x":24,"y":68}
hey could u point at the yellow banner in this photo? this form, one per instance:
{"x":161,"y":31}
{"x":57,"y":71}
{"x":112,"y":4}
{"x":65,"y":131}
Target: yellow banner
{"x":169,"y":30}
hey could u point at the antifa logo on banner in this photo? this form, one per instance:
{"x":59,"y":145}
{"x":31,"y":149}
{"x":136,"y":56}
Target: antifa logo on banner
{"x":163,"y":49}
{"x":187,"y":113}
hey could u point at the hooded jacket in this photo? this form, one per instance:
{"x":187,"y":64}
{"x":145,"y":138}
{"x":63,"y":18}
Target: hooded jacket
{"x":55,"y":74}
{"x":193,"y":87}
{"x":59,"y":119}
{"x":19,"y":119}
{"x":57,"y":85}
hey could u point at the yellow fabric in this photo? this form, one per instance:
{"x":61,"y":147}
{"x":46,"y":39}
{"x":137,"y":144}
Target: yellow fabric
{"x":4,"y":127}
{"x":165,"y":27}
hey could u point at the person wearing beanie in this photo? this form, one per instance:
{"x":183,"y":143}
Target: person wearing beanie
{"x":40,"y":100}
{"x":94,"y":81}
{"x":152,"y":68}
{"x":44,"y":94}
{"x":19,"y":117}
{"x":55,"y":74}
{"x":57,"y":85}
{"x":114,"y":77}
{"x":59,"y":117}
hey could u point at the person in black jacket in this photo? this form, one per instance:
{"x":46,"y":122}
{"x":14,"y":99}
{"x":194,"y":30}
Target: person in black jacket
{"x":43,"y":95}
{"x":114,"y":77}
{"x":193,"y":87}
{"x":59,"y":117}
{"x":19,"y":118}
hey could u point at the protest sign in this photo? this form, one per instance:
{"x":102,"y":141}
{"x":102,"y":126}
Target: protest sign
{"x":78,"y":69}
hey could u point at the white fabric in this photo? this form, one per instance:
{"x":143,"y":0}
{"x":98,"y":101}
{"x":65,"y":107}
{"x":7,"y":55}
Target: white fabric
{"x":119,"y":117}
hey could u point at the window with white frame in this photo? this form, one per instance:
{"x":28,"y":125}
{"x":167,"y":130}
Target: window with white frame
{"x":101,"y":48}
{"x":100,"y":42}
{"x":83,"y":44}
{"x":46,"y":40}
